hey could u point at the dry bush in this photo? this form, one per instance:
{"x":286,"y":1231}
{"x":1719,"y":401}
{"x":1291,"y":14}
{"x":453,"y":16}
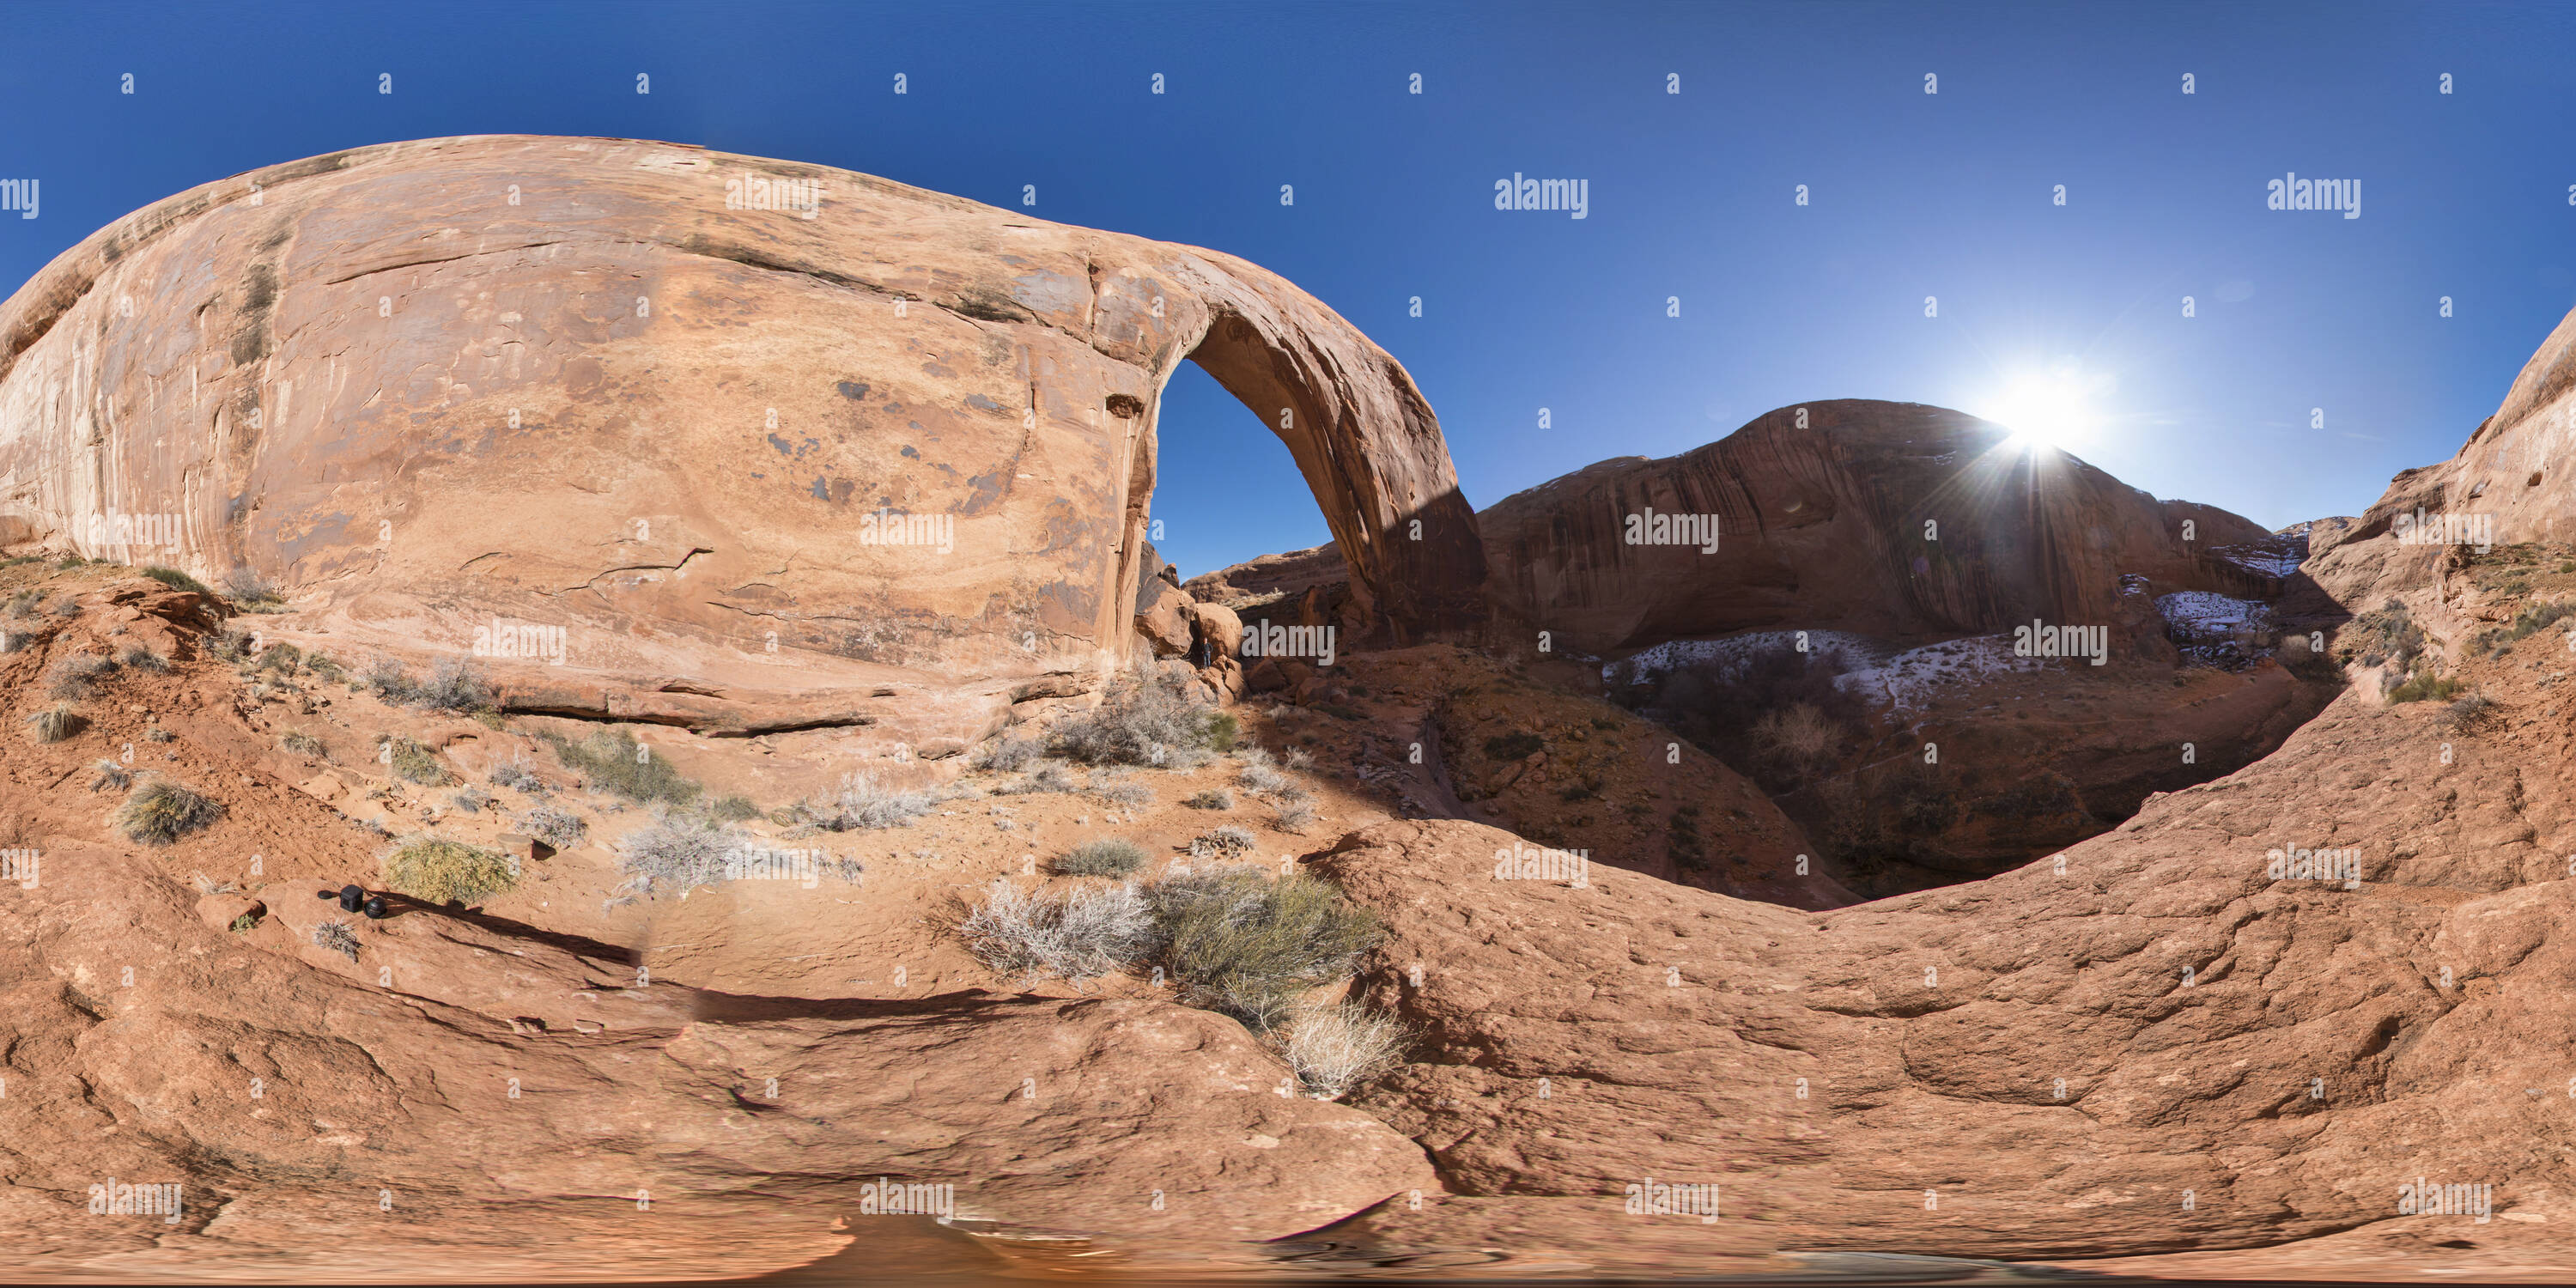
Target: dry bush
{"x":139,"y":658}
{"x":561,"y":829}
{"x":1103,"y":858}
{"x":414,"y":763}
{"x":1261,"y":780}
{"x":303,"y":744}
{"x":77,"y":676}
{"x":613,"y":760}
{"x":1113,"y":788}
{"x":1334,"y":1048}
{"x":107,"y":775}
{"x":1224,"y":843}
{"x":862,"y":804}
{"x":1048,"y":777}
{"x":57,"y":722}
{"x":1244,"y":944}
{"x":1076,"y":934}
{"x":339,"y":937}
{"x":159,"y":811}
{"x":443,"y":871}
{"x":1148,"y":718}
{"x":680,"y":851}
{"x":1295,"y":817}
{"x":1798,"y":735}
{"x":1009,"y":754}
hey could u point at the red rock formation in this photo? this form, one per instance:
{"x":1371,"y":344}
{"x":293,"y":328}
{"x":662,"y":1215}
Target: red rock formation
{"x":568,"y":382}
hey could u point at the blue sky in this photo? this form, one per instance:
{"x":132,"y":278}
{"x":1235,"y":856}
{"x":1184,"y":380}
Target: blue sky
{"x":1948,"y":195}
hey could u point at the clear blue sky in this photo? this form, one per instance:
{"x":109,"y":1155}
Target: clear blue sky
{"x":1948,"y":195}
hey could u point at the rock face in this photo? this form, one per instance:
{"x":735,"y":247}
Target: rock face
{"x":1884,"y":519}
{"x":836,"y":450}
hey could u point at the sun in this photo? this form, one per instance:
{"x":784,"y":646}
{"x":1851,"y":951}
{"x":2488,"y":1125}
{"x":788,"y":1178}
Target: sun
{"x":2052,"y":409}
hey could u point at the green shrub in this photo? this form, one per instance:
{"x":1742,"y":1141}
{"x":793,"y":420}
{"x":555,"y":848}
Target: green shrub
{"x":1222,"y":730}
{"x":1104,"y":858}
{"x":243,"y":923}
{"x":448,"y":871}
{"x":159,"y":811}
{"x":414,"y":763}
{"x":1244,"y":944}
{"x":611,"y":760}
{"x":176,"y":580}
{"x":2424,"y":688}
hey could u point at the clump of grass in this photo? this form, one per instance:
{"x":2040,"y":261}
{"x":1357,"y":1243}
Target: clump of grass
{"x":1120,"y":792}
{"x":1008,"y":755}
{"x":561,"y":829}
{"x":251,"y":592}
{"x":1049,"y":777}
{"x":611,"y":759}
{"x":57,"y":722}
{"x":1077,"y":934}
{"x":1211,"y":798}
{"x":1337,"y":1047}
{"x":77,"y":676}
{"x":1223,"y":843}
{"x":176,"y":580}
{"x":1110,"y":857}
{"x":1222,"y":730}
{"x":1148,"y":718}
{"x":107,"y":775}
{"x":517,"y":775}
{"x":862,"y":804}
{"x":734,"y":809}
{"x":443,"y":871}
{"x":1261,"y":780}
{"x":471,"y":800}
{"x":414,"y":763}
{"x":303,"y":744}
{"x":680,"y":851}
{"x":159,"y":811}
{"x":281,"y":657}
{"x":325,"y":668}
{"x":338,"y":936}
{"x":1245,"y":944}
{"x":1294,"y":817}
{"x":244,"y":923}
{"x":140,"y":658}
{"x":1300,"y":758}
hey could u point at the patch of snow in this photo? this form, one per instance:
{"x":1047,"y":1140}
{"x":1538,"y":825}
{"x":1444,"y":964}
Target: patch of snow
{"x":1909,"y":681}
{"x":1730,"y":653}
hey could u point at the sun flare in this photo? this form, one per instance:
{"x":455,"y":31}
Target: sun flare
{"x":2054,"y":409}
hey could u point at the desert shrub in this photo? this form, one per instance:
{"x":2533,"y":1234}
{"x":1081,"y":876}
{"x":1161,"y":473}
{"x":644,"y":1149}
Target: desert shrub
{"x":680,"y":851}
{"x":159,"y":811}
{"x":57,"y":722}
{"x":454,"y":684}
{"x":176,"y":580}
{"x":2426,"y":687}
{"x":107,"y":775}
{"x":248,"y":590}
{"x":2472,"y":712}
{"x":1103,"y":858}
{"x":1223,"y":843}
{"x":1212,"y":798}
{"x":414,"y":763}
{"x":471,"y":800}
{"x":338,"y":936}
{"x":1514,"y":746}
{"x":734,"y":809}
{"x":1337,"y":1047}
{"x":324,"y":667}
{"x":1222,"y":730}
{"x":139,"y":658}
{"x":1797,"y":736}
{"x":158,"y":734}
{"x":1261,"y":780}
{"x":1048,"y":777}
{"x":1077,"y":934}
{"x":67,"y":606}
{"x":389,"y":680}
{"x":1294,"y":817}
{"x":442,"y":871}
{"x":613,"y":760}
{"x":1300,"y":758}
{"x":561,"y":829}
{"x":1146,"y":719}
{"x":1719,"y":706}
{"x":1121,"y":792}
{"x":1009,"y":754}
{"x":517,"y":775}
{"x":21,"y":606}
{"x":77,"y":676}
{"x":303,"y":744}
{"x":12,"y":641}
{"x":861,"y":803}
{"x":244,"y":923}
{"x":231,"y":646}
{"x":1245,"y":944}
{"x":281,"y":658}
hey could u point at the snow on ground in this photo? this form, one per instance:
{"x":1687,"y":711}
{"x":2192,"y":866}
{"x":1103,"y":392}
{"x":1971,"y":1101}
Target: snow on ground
{"x":1910,"y":680}
{"x":2211,"y":619}
{"x":1672,"y":655}
{"x":2279,"y":559}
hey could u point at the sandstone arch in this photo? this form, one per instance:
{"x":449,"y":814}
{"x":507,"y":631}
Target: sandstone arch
{"x":632,"y":389}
